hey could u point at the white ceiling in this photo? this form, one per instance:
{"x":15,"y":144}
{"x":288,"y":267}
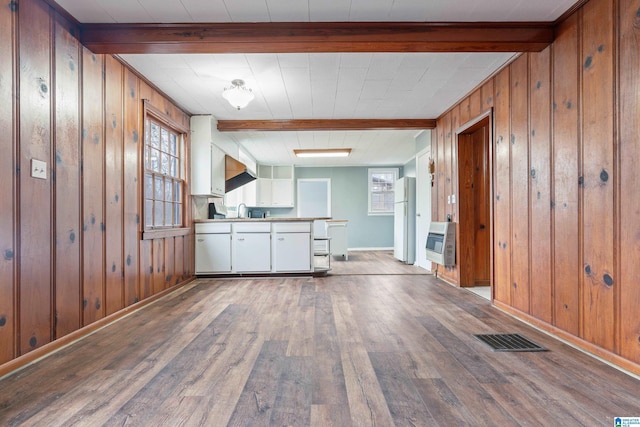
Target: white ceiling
{"x":319,"y":85}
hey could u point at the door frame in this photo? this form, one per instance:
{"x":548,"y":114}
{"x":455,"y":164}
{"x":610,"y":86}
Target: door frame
{"x":423,"y":182}
{"x":467,"y":128}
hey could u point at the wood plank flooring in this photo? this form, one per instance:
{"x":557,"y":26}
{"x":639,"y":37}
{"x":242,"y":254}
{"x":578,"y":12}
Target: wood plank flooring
{"x":342,"y":350}
{"x":372,"y":263}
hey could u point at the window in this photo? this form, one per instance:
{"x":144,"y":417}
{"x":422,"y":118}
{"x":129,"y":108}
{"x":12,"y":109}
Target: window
{"x":381,"y":190}
{"x":163,"y":172}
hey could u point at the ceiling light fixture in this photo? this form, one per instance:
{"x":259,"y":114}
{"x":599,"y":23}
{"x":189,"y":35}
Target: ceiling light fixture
{"x":329,"y":152}
{"x":238,"y":95}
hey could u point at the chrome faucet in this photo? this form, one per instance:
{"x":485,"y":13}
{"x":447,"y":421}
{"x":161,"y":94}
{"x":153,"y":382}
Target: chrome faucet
{"x":242,"y":213}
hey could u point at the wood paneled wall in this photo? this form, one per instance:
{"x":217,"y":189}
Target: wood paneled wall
{"x":71,"y":250}
{"x":565,"y":180}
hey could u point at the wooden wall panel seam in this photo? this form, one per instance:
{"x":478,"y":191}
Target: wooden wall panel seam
{"x":81,"y":231}
{"x":552,"y":190}
{"x":510,"y":207}
{"x":103,"y":307}
{"x":80,"y":236}
{"x":52,"y":171}
{"x":529,"y":219}
{"x":17,"y":249}
{"x":580,"y":124}
{"x":17,"y":186}
{"x":617,"y":179}
{"x":8,"y":217}
{"x":123,"y":302}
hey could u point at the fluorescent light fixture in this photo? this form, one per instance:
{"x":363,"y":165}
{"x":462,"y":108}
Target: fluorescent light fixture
{"x":329,"y":152}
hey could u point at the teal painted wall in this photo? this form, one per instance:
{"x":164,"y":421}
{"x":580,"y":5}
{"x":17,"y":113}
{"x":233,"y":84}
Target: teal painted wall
{"x":349,"y":201}
{"x":423,"y":140}
{"x":410,"y":168}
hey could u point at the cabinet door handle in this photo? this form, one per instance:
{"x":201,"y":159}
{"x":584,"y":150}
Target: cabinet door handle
{"x":200,"y":240}
{"x":241,"y":239}
{"x":280,"y":238}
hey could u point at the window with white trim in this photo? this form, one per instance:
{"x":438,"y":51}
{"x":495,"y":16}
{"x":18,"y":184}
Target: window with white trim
{"x":163,"y":174}
{"x":381,"y":190}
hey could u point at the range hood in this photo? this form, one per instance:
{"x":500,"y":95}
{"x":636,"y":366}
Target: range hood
{"x":236,"y":174}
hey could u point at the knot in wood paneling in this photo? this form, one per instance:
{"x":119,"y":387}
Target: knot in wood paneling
{"x":604,"y":175}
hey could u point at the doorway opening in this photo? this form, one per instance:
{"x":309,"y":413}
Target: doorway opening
{"x":474,"y":203}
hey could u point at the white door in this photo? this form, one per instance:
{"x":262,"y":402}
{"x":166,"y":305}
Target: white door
{"x":423,"y":206}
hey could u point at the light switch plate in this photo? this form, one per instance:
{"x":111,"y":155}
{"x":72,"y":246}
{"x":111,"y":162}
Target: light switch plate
{"x":453,"y":198}
{"x":38,"y":169}
{"x":449,"y":199}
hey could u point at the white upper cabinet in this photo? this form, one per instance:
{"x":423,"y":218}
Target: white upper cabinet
{"x":275,"y":186}
{"x":282,"y":193}
{"x":207,"y":160}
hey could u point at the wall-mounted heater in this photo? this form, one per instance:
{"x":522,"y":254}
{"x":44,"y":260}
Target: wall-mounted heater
{"x":441,"y":243}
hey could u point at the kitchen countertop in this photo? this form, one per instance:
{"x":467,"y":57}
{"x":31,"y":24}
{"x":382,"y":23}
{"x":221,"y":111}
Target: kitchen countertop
{"x":269,"y":219}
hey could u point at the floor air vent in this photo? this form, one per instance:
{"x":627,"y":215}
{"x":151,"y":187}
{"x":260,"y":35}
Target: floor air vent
{"x":509,"y":342}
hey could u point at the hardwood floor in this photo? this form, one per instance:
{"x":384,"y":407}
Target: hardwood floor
{"x":341,"y":350}
{"x":372,"y":263}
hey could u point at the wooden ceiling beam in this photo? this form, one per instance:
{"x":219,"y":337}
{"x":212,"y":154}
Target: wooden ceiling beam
{"x":291,"y":37}
{"x":323,"y":125}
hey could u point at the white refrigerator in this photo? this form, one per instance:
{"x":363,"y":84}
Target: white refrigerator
{"x":404,"y":220}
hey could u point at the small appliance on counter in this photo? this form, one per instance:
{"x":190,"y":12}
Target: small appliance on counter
{"x":217,"y":211}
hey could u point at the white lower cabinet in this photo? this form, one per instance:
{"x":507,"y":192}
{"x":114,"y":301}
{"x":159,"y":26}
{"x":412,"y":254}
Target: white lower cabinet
{"x":251,"y":247}
{"x":213,"y":248}
{"x":292,"y":252}
{"x":291,"y":247}
{"x":213,"y":253}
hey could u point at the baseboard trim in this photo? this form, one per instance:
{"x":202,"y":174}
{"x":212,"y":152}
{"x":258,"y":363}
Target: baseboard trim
{"x":369,"y":249}
{"x":605,"y":356}
{"x":13,"y":366}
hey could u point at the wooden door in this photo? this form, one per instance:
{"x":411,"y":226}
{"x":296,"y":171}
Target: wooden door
{"x":481,"y":218}
{"x":474,"y":250}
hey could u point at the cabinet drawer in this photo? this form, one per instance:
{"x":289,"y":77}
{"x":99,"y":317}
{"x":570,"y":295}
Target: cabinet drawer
{"x":292,"y":227}
{"x":213,"y":227}
{"x":251,"y":227}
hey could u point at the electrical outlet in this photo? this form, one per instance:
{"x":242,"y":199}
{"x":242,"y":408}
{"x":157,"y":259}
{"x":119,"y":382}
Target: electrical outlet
{"x":38,"y":169}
